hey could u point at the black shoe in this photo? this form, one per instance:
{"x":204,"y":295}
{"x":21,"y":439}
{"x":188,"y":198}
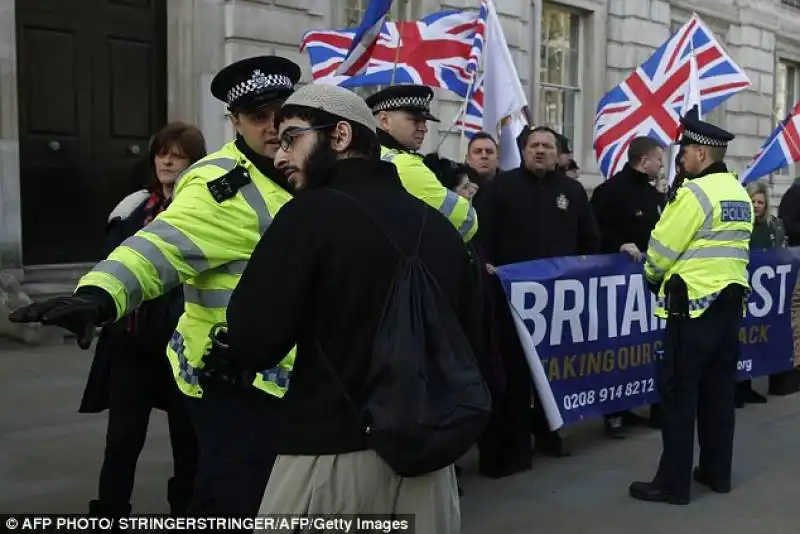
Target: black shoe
{"x":649,"y":492}
{"x":702,"y":479}
{"x":738,"y":400}
{"x":754,"y":397}
{"x":613,"y":427}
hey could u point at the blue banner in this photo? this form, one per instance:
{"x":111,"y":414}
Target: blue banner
{"x":592,"y":339}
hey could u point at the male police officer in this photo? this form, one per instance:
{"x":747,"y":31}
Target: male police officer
{"x":222,"y":206}
{"x":697,"y":262}
{"x":402,"y":112}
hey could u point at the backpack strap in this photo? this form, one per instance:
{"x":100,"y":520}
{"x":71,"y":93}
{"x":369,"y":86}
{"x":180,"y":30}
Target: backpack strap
{"x":381,"y":228}
{"x":345,"y":394}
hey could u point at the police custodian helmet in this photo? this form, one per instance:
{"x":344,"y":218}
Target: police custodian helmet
{"x":697,"y":132}
{"x":255,"y":82}
{"x":414,"y":99}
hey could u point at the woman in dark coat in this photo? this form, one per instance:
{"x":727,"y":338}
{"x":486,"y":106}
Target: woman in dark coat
{"x":767,"y":233}
{"x":131,"y":374}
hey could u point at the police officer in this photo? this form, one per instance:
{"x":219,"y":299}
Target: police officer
{"x":222,"y":205}
{"x":697,"y":263}
{"x":402,"y":112}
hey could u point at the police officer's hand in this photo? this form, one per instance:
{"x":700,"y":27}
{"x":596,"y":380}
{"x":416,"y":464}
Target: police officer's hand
{"x":79,"y":313}
{"x":631,"y":250}
{"x":219,"y":365}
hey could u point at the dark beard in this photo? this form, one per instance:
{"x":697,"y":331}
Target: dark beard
{"x":319,"y":164}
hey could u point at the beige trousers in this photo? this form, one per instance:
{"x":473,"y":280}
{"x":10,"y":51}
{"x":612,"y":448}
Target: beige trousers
{"x":362,"y":483}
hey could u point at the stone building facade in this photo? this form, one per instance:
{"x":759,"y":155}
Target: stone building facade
{"x":568,"y":54}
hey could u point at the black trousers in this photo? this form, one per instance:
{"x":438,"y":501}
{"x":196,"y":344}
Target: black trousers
{"x":235,"y":430}
{"x":697,"y":379}
{"x":137,"y":384}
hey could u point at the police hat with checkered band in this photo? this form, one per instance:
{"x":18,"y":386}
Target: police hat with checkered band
{"x":414,"y":99}
{"x":697,"y":132}
{"x":255,"y":82}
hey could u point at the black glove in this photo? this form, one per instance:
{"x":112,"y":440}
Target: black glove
{"x":220,"y":368}
{"x":655,"y":287}
{"x":79,"y":314}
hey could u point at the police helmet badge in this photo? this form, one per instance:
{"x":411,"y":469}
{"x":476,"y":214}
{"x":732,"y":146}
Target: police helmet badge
{"x":562,"y":202}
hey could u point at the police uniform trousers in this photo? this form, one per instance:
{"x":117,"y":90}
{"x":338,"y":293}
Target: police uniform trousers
{"x":235,"y":434}
{"x":140,"y":379}
{"x":697,"y":378}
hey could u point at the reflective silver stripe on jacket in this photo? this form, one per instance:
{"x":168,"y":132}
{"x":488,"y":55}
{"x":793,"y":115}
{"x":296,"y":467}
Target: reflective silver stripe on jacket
{"x":235,"y":268}
{"x":258,"y":203}
{"x":191,"y":254}
{"x":125,"y":276}
{"x":189,"y":374}
{"x":449,"y":204}
{"x":705,"y":204}
{"x":468,"y":224}
{"x":224,"y":163}
{"x":207,"y":298}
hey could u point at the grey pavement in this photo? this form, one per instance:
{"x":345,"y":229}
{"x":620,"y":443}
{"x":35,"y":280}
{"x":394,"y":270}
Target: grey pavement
{"x":50,"y":457}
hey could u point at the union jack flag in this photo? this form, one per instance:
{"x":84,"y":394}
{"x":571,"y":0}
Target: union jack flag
{"x":648,"y":101}
{"x":781,"y":149}
{"x":472,"y":119}
{"x":438,"y":51}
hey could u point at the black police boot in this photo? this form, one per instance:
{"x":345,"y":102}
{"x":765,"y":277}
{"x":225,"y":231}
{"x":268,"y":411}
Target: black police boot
{"x":650,"y":492}
{"x":704,"y":480}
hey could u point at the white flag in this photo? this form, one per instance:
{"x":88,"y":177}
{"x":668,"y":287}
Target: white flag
{"x":504,"y":96}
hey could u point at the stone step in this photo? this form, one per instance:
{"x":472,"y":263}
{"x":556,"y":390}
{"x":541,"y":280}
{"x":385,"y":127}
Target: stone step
{"x":41,"y":282}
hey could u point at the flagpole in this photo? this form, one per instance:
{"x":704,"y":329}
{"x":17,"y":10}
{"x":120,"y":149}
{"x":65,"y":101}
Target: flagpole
{"x":399,"y":26}
{"x":461,"y":111}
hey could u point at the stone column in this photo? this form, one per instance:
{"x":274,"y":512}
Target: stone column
{"x":10,"y":213}
{"x":195,"y":53}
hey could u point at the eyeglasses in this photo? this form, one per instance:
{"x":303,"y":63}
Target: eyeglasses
{"x":287,"y":138}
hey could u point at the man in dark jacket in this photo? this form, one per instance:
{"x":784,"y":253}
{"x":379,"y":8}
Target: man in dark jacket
{"x":530,"y":213}
{"x":326,"y":296}
{"x":627,"y":209}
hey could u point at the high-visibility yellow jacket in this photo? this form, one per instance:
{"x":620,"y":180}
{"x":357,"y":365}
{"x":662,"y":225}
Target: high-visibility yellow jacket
{"x":421,"y":182}
{"x":205,"y":244}
{"x":704,"y":236}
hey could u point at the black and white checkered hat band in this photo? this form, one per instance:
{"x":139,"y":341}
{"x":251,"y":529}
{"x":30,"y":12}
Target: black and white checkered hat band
{"x":702,"y":139}
{"x":257,"y":83}
{"x":400,"y":102}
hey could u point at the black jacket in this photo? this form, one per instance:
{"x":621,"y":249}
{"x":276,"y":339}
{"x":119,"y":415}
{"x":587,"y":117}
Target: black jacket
{"x":627,"y":209}
{"x":319,"y":279}
{"x":523,"y":217}
{"x":789,"y":213}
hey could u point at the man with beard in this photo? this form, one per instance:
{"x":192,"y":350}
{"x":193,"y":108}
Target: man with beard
{"x":338,"y":241}
{"x":402,"y":112}
{"x":627,"y":208}
{"x":222,"y":205}
{"x":532,"y":212}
